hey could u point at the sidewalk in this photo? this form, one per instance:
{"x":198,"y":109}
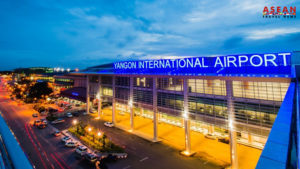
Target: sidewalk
{"x":210,"y":150}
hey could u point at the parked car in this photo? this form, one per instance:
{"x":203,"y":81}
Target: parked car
{"x":69,"y":115}
{"x":210,"y":136}
{"x":42,"y":125}
{"x":60,"y":120}
{"x":224,"y":140}
{"x":71,"y":144}
{"x":76,"y":114}
{"x":65,"y":139}
{"x":108,"y":124}
{"x":36,"y":122}
{"x":57,"y":133}
{"x":110,"y":158}
{"x":92,"y":158}
{"x":81,"y":150}
{"x":44,"y":121}
{"x":34,"y":115}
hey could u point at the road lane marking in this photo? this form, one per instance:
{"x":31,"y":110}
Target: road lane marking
{"x":127,"y":167}
{"x":35,"y":147}
{"x":63,"y":162}
{"x":57,"y":161}
{"x":143,"y":159}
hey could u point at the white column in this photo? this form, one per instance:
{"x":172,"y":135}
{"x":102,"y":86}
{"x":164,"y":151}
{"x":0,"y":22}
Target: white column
{"x":231,"y":125}
{"x":131,"y":104}
{"x":250,"y":139}
{"x":211,"y":129}
{"x":155,"y":110}
{"x":87,"y":94}
{"x":99,"y":98}
{"x":114,"y":100}
{"x":186,"y":117}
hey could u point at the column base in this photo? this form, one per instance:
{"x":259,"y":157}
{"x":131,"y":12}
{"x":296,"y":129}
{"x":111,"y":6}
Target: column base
{"x":156,"y":140}
{"x":187,"y":154}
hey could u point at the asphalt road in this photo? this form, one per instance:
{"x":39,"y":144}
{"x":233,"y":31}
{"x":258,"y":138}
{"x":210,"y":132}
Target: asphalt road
{"x":46,"y":151}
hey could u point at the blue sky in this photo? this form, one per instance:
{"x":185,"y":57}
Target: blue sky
{"x":73,"y":33}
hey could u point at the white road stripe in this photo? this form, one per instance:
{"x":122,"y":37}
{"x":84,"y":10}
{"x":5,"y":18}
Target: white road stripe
{"x":143,"y":159}
{"x":127,"y":167}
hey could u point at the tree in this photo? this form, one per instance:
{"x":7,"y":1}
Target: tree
{"x":103,"y":140}
{"x":39,"y":90}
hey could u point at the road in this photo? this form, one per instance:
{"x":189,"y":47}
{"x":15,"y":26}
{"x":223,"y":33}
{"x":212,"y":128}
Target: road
{"x":46,"y":151}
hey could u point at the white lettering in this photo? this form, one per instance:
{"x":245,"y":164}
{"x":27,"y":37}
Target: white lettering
{"x":284,"y":57}
{"x":180,"y":63}
{"x":198,"y":62}
{"x":190,"y":62}
{"x":256,"y":56}
{"x":242,"y":60}
{"x":231,"y":61}
{"x":203,"y":63}
{"x":270,"y":59}
{"x":218,"y":62}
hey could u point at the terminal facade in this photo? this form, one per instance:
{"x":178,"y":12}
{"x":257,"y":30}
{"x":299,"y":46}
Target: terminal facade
{"x":235,"y":98}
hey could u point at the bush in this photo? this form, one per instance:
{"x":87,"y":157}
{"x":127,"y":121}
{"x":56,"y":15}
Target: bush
{"x":51,"y":118}
{"x":95,"y":143}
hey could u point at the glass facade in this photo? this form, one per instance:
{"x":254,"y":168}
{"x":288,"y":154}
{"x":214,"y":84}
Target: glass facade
{"x":107,"y":91}
{"x":174,"y":84}
{"x":215,"y":87}
{"x":170,"y":100}
{"x":256,"y":103}
{"x":260,"y":90}
{"x":143,"y":82}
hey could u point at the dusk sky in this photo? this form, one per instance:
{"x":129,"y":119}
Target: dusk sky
{"x":78,"y":34}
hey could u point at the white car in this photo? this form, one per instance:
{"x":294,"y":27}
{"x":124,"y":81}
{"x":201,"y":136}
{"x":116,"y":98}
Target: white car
{"x":81,"y":150}
{"x":109,"y":124}
{"x":69,"y":115}
{"x":58,"y":121}
{"x":210,"y":136}
{"x":65,"y":139}
{"x":71,"y":144}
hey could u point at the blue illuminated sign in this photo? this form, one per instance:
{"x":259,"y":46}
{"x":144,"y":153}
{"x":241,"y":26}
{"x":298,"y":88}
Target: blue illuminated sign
{"x":75,"y":94}
{"x":269,"y":63}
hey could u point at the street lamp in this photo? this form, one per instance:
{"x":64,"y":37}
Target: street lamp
{"x":99,"y":136}
{"x":75,"y":123}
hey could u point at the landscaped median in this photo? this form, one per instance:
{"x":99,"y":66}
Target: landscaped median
{"x":94,"y":138}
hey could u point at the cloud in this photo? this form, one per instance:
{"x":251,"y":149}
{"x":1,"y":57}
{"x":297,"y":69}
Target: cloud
{"x":87,"y":33}
{"x":271,"y":33}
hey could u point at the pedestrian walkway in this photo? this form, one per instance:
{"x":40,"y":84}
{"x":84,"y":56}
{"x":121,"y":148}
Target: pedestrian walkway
{"x":210,"y":150}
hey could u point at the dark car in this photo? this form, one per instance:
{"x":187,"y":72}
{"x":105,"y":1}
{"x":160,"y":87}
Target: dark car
{"x":224,"y":140}
{"x":110,"y":158}
{"x":37,"y":122}
{"x":42,"y":125}
{"x":76,"y":114}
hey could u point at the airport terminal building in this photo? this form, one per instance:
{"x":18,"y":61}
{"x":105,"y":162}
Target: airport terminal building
{"x":237,"y":96}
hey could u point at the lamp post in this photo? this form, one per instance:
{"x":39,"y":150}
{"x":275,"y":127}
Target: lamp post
{"x":99,"y":136}
{"x":75,"y":123}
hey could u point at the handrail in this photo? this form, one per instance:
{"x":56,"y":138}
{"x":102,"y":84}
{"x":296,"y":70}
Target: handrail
{"x":279,"y":147}
{"x":16,"y":155}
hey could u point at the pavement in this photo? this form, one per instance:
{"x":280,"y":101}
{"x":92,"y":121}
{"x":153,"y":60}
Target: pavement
{"x":46,"y":151}
{"x":212,"y":151}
